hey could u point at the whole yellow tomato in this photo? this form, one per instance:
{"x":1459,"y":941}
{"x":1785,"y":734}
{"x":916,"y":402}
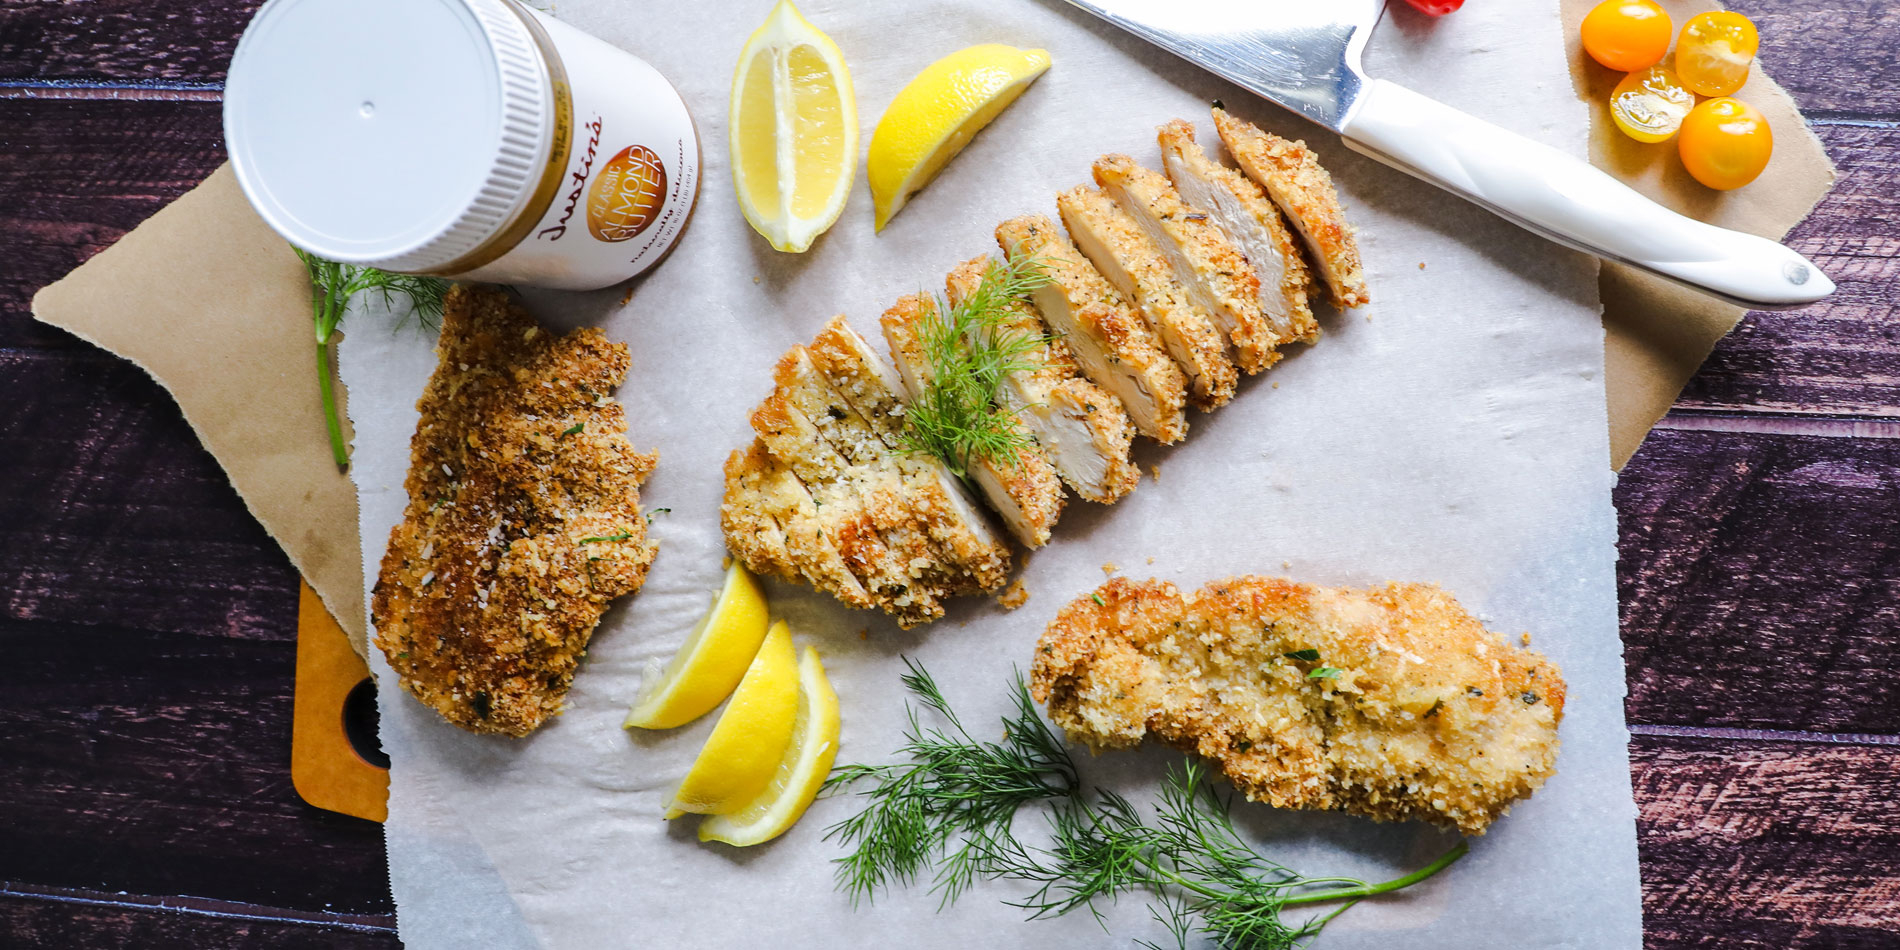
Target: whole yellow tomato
{"x":1627,"y":35}
{"x":1725,"y":143}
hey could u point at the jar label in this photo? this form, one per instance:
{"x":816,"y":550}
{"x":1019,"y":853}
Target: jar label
{"x":631,"y":179}
{"x":627,"y":195}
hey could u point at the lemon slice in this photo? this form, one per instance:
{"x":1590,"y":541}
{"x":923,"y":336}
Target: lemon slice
{"x":793,"y":130}
{"x":801,"y":773}
{"x":711,"y":661}
{"x":937,"y":114}
{"x":742,"y":754}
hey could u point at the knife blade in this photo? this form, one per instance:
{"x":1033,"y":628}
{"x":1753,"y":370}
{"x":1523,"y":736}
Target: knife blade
{"x":1306,"y":56}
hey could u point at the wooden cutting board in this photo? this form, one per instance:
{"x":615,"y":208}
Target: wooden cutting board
{"x":335,"y":761}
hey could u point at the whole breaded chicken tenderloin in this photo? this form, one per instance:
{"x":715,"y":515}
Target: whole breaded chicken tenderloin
{"x":1393,"y":702}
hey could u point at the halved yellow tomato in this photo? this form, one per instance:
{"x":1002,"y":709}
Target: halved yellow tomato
{"x":1714,"y":53}
{"x":1649,"y":105}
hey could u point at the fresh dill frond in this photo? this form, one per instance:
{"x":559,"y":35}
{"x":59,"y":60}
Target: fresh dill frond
{"x":950,"y":810}
{"x":333,"y":286}
{"x":971,"y":349}
{"x":953,"y":789}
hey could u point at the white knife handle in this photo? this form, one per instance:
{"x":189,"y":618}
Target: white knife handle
{"x":1568,"y":201}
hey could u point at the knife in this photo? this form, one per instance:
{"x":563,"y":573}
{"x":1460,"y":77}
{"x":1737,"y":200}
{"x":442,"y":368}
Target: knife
{"x":1305,"y":55}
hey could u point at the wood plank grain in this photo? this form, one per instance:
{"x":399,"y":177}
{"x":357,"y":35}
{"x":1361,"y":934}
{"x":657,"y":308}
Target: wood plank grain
{"x":159,"y":764}
{"x":1834,"y":56}
{"x":112,"y":513}
{"x":77,"y":174}
{"x":1841,"y":356}
{"x":148,"y":623}
{"x":120,"y":40}
{"x":1768,"y":846}
{"x":1760,"y":581}
{"x":62,"y":924}
{"x":129,"y":41}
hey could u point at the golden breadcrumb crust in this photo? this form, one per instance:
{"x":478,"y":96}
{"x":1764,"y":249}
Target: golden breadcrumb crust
{"x":1081,"y":427}
{"x":1181,"y":151}
{"x":1209,"y":264}
{"x":1293,"y":176}
{"x":1130,"y":259}
{"x":1088,"y":312}
{"x":1393,"y":702}
{"x":523,"y":521}
{"x":1022,"y":487}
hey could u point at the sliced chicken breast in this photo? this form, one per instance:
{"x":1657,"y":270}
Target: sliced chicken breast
{"x":855,"y":485}
{"x":1079,"y":426}
{"x":954,"y":520}
{"x":1291,"y":175}
{"x":1022,"y":488}
{"x":752,"y":533}
{"x":761,"y":490}
{"x":1113,"y":345}
{"x":1250,"y":220}
{"x":1131,"y":261}
{"x":1215,"y":273}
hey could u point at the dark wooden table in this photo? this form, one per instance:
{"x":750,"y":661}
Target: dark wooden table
{"x":147,"y":629}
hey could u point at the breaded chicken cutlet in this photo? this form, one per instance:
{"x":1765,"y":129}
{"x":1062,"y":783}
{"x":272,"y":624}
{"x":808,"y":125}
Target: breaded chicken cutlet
{"x":827,"y":494}
{"x":1393,"y":703}
{"x":523,"y":521}
{"x":1163,"y":292}
{"x":1293,"y":177}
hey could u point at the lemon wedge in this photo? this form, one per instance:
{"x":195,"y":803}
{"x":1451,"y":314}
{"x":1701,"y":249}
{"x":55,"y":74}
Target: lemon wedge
{"x":937,"y":114}
{"x":742,"y":755}
{"x":793,"y":130}
{"x":801,"y":773}
{"x":711,"y":661}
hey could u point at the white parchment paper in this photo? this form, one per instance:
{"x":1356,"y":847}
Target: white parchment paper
{"x":1454,"y":431}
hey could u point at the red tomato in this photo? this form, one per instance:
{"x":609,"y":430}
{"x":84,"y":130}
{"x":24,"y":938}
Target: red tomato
{"x":1436,"y":7}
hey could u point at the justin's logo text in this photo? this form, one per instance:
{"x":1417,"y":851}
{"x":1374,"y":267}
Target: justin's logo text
{"x":627,"y":196}
{"x":579,"y":178}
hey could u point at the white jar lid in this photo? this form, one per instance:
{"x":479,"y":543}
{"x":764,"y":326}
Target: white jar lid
{"x":399,"y":134}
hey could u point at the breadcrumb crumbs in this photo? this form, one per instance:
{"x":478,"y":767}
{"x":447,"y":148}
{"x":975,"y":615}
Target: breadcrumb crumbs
{"x":515,"y":539}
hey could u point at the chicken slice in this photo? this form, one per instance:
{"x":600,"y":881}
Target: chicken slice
{"x":954,"y":521}
{"x":1249,"y":219}
{"x":1215,"y":273}
{"x":1293,"y":178}
{"x":1113,"y":345}
{"x":761,"y":490}
{"x":1080,"y":427}
{"x":1023,"y":487}
{"x":854,"y":484}
{"x":1392,"y":702}
{"x":1131,"y":260}
{"x":753,"y":534}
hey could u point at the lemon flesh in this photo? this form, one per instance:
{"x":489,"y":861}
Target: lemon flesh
{"x":793,"y":130}
{"x":742,"y":755}
{"x":801,"y":773}
{"x":937,"y":114}
{"x":711,"y":661}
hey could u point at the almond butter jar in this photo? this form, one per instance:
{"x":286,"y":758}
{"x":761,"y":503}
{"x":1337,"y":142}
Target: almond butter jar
{"x":477,"y":139}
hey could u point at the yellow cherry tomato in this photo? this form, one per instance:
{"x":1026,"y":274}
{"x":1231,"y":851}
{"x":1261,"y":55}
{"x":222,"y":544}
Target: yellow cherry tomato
{"x":1627,"y":35}
{"x":1725,"y":143}
{"x":1649,"y":106}
{"x":1714,"y":52}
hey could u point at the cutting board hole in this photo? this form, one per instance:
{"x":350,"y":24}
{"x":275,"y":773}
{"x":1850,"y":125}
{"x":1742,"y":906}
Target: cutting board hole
{"x":360,"y":721}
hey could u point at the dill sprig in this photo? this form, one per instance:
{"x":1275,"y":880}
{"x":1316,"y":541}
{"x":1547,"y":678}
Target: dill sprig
{"x":971,"y":348}
{"x":952,"y":787}
{"x":333,"y":286}
{"x":931,"y":813}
